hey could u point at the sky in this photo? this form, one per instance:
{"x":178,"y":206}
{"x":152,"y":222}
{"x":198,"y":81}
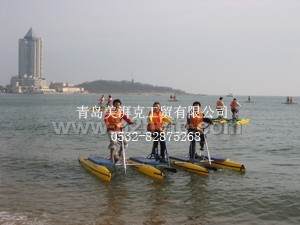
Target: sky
{"x":249,"y":47}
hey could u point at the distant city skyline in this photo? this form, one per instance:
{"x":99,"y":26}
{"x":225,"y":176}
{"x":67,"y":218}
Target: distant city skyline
{"x":247,"y":47}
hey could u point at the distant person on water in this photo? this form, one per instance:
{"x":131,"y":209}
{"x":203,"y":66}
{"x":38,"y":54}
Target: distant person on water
{"x":249,"y":99}
{"x":195,"y":118}
{"x":156,"y":120}
{"x":101,"y":102}
{"x":289,"y":99}
{"x":113,"y":120}
{"x":171,"y":97}
{"x":109,"y":101}
{"x":234,"y":105}
{"x":220,"y":106}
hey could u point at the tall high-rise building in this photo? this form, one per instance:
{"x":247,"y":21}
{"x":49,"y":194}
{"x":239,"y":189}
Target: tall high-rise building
{"x":31,"y":56}
{"x":30,"y":76}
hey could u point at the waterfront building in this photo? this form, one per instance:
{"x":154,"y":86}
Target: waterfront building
{"x":30,"y":72}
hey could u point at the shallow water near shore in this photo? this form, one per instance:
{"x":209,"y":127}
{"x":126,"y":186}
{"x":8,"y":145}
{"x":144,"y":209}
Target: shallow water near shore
{"x":41,"y":181}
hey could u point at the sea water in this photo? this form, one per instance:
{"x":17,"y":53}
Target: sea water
{"x":41,"y":181}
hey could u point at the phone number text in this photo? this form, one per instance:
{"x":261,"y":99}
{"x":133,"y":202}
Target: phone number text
{"x":162,"y":136}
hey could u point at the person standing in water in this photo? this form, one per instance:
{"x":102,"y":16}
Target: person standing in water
{"x":220,"y":106}
{"x":109,"y":101}
{"x":156,"y":120}
{"x":234,"y":105}
{"x":101,"y":102}
{"x":113,"y":120}
{"x":195,"y":119}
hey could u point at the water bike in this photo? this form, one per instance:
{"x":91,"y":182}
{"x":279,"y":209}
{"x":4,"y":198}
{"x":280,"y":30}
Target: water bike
{"x":204,"y":159}
{"x":236,"y":120}
{"x":153,"y":166}
{"x":102,"y":167}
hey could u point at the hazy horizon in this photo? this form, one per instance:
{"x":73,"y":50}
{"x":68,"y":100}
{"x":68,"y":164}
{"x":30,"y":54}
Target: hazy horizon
{"x":249,"y":47}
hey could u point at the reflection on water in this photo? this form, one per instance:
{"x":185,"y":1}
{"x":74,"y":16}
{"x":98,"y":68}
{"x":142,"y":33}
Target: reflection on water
{"x":157,"y":202}
{"x":197,"y":199}
{"x":115,"y":204}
